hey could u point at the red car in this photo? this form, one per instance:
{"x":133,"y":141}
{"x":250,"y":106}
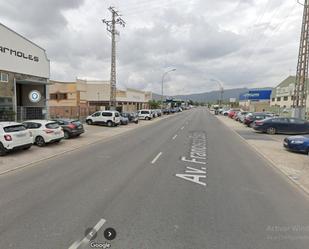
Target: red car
{"x":232,"y":112}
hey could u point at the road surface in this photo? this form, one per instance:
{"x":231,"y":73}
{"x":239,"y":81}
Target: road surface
{"x":185,"y":182}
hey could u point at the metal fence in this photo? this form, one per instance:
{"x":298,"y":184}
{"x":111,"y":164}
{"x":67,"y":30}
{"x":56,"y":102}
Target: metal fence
{"x":29,"y":112}
{"x":71,"y":112}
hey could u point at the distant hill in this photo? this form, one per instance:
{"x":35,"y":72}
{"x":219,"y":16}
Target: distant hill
{"x":208,"y":96}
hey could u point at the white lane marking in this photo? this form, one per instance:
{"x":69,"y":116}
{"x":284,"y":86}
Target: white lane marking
{"x":85,"y":240}
{"x":182,"y":127}
{"x":156,"y":158}
{"x":174,"y":137}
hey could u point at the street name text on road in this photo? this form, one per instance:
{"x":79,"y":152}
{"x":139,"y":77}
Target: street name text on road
{"x":198,"y":155}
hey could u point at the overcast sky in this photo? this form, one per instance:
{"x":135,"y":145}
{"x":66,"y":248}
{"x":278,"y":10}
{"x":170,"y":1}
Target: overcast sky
{"x":252,"y":43}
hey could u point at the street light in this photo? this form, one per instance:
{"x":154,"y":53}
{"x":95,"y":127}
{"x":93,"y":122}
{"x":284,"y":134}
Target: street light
{"x":221,"y":90}
{"x":163,"y":76}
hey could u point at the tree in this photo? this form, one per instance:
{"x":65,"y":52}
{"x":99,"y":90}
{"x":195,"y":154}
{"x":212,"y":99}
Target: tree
{"x":154,"y":104}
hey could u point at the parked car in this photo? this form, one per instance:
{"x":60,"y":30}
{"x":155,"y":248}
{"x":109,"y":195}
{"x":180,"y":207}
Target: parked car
{"x":44,"y":131}
{"x":154,"y":113}
{"x":159,"y":112}
{"x":241,"y":116}
{"x":109,"y":118}
{"x":282,"y":125}
{"x":251,"y":117}
{"x":70,"y":127}
{"x":225,"y":112}
{"x":145,"y":114}
{"x":14,"y":136}
{"x":232,"y":112}
{"x":132,"y":116}
{"x":166,"y":111}
{"x":123,"y":119}
{"x":297,"y":143}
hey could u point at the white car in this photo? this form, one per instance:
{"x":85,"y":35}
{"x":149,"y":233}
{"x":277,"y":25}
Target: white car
{"x":145,"y":114}
{"x":44,"y":131}
{"x":14,"y":136}
{"x":109,"y":118}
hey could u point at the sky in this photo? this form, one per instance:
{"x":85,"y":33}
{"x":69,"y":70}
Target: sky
{"x":246,"y":43}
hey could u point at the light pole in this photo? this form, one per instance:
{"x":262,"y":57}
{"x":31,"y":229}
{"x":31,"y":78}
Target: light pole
{"x":163,"y":76}
{"x":221,"y":90}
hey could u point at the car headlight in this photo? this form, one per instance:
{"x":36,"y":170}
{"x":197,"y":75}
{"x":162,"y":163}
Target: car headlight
{"x":297,"y":142}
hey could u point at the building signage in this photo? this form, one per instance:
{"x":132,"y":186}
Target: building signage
{"x":35,"y":96}
{"x":256,"y":95}
{"x":20,"y":54}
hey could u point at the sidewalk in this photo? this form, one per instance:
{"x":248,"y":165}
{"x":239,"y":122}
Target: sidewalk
{"x":21,"y":159}
{"x":295,"y":166}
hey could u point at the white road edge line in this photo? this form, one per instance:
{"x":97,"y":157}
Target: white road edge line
{"x":85,"y":240}
{"x":156,"y":158}
{"x":174,"y":137}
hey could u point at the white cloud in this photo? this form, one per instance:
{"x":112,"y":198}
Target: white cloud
{"x":243,"y":43}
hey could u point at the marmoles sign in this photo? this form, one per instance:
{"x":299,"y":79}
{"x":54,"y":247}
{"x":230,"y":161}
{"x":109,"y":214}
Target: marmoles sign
{"x":20,"y":54}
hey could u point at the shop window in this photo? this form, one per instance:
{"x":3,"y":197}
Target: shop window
{"x":4,"y":77}
{"x":286,"y":98}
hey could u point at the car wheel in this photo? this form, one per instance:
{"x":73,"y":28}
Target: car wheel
{"x":89,"y":122}
{"x":136,"y":122}
{"x":109,"y":123}
{"x":271,"y":130}
{"x":66,"y":135}
{"x":2,"y":150}
{"x":39,"y":141}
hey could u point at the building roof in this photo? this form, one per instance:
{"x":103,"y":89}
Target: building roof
{"x":22,"y":36}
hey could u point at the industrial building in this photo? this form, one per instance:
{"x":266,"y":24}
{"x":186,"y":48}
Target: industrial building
{"x":24,"y":76}
{"x":82,"y":97}
{"x":282,"y":95}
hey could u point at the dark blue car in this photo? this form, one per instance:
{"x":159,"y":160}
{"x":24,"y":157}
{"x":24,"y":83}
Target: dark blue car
{"x":297,"y":143}
{"x":282,"y":125}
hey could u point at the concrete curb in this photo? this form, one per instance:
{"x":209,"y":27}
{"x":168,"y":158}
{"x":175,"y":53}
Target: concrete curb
{"x":269,"y":161}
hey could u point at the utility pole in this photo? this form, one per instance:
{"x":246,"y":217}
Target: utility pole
{"x":111,"y":27}
{"x":221,"y":88}
{"x":300,"y":92}
{"x":162,"y":81}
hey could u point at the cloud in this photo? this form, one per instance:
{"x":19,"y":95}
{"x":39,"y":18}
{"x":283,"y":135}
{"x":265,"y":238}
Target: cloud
{"x":242,"y":43}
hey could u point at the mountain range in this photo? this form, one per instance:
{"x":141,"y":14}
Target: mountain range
{"x":207,"y":96}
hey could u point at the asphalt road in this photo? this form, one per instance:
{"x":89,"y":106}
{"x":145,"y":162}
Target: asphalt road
{"x":223,"y":196}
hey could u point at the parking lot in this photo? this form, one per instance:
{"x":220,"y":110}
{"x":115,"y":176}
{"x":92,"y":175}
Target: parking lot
{"x":93,"y":133}
{"x":293,"y":165}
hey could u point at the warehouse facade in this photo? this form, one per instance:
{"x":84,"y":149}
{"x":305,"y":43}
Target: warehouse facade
{"x":83,"y":97}
{"x":24,"y":76}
